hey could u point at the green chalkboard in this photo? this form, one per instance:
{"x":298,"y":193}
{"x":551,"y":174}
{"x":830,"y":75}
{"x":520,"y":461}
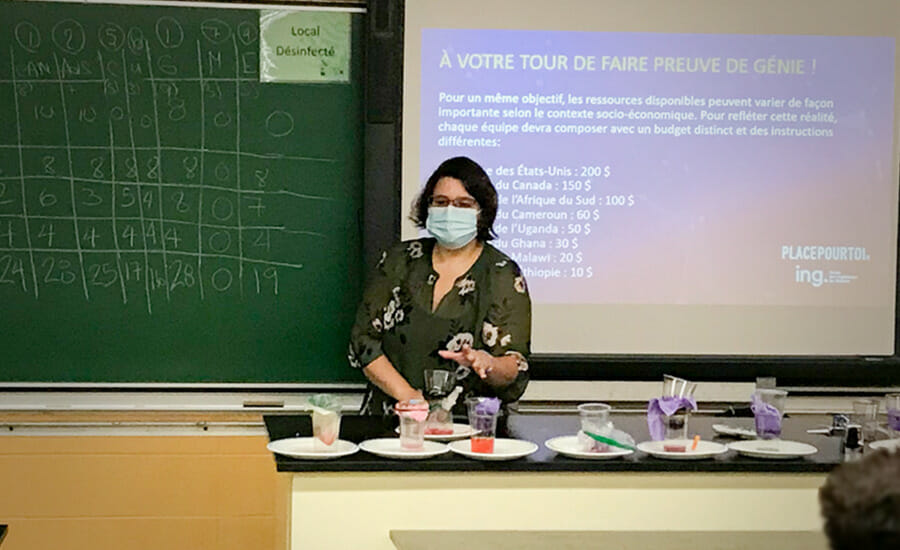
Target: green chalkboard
{"x":165,"y":217}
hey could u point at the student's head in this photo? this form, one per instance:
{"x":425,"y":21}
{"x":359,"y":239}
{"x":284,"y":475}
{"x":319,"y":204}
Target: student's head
{"x":475,"y":184}
{"x":860,"y":503}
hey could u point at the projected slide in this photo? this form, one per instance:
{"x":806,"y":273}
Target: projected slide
{"x":670,"y":169}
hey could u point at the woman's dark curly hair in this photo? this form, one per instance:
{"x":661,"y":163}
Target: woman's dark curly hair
{"x":476,"y":182}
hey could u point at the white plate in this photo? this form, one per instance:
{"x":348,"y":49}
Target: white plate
{"x":734,"y":431}
{"x":389,"y":447}
{"x":889,"y":444}
{"x":773,"y":448}
{"x":460,"y":431}
{"x":705,"y":449}
{"x":568,"y":445}
{"x":504,"y":449}
{"x":305,"y":448}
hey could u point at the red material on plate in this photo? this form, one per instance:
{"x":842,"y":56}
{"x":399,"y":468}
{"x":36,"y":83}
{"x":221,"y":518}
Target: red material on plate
{"x":482,"y":444}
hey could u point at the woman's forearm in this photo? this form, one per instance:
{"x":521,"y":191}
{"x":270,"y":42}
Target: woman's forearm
{"x":503,"y":372}
{"x":383,"y":374}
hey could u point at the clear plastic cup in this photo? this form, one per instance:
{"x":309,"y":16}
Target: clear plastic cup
{"x":326,"y":426}
{"x":438,"y":383}
{"x":413,"y":414}
{"x":676,"y":431}
{"x":769,"y":413}
{"x":484,"y":424}
{"x":595,"y":420}
{"x":892,"y":407}
{"x":594,"y":417}
{"x":440,"y":420}
{"x":677,"y":387}
{"x":865,"y":413}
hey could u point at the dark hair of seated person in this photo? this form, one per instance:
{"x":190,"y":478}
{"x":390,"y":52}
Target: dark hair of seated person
{"x":860,"y":503}
{"x":475,"y":181}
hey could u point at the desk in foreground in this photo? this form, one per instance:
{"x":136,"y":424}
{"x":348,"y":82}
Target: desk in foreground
{"x":608,"y":540}
{"x":357,"y":501}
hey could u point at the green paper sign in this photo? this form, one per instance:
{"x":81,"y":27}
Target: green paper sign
{"x":304,"y":46}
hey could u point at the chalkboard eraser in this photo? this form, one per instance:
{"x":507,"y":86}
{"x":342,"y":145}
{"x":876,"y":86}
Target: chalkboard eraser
{"x":264,"y":404}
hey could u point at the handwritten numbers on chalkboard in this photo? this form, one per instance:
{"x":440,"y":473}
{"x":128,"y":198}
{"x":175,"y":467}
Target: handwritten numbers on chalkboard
{"x":68,"y":35}
{"x":12,"y":272}
{"x":90,"y":197}
{"x":279,"y":124}
{"x":256,"y":205}
{"x":181,"y":275}
{"x":223,"y":172}
{"x":153,"y":168}
{"x":190,"y":165}
{"x":260,"y":175}
{"x":215,"y":30}
{"x":269,"y":274}
{"x":47,"y":233}
{"x":170,"y":238}
{"x":181,"y":205}
{"x":111,"y":36}
{"x":89,"y":239}
{"x":263,"y":240}
{"x":46,"y":198}
{"x":102,"y":275}
{"x":45,"y":112}
{"x":135,"y":40}
{"x":169,"y":32}
{"x":222,"y":279}
{"x":220,"y":242}
{"x":222,"y":209}
{"x":58,"y":271}
{"x":247,"y":33}
{"x":28,"y":36}
{"x":6,"y":234}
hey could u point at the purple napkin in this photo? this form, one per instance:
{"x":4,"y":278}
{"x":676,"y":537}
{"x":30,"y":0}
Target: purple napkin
{"x":767,"y":417}
{"x":487,"y":405}
{"x":893,"y":418}
{"x":667,"y":406}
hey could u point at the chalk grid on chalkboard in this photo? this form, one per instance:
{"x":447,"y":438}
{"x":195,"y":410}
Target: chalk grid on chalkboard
{"x":101,"y":190}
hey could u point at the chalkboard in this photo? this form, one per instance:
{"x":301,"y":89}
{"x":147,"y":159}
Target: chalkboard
{"x":165,"y":217}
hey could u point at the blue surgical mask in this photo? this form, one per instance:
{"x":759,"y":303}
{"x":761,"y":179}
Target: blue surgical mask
{"x":452,"y":227}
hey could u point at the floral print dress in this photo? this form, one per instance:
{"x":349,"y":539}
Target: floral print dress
{"x":487,"y":308}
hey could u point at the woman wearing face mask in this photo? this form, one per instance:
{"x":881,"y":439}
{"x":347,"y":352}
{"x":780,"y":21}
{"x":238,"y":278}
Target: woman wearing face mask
{"x":451,"y":301}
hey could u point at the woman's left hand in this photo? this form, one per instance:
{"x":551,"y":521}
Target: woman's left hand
{"x":479,"y":360}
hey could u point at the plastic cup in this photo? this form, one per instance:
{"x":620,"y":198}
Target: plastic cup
{"x":412,"y":415}
{"x":439,"y":421}
{"x":484,"y":425}
{"x":767,"y":418}
{"x":438,"y":383}
{"x":865,"y":413}
{"x":676,"y":432}
{"x":892,"y":406}
{"x":594,"y":417}
{"x":326,"y":425}
{"x":677,"y":387}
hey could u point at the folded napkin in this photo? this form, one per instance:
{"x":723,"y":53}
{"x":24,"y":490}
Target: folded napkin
{"x":665,"y":406}
{"x":893,"y":418}
{"x":487,"y":405}
{"x":767,"y":418}
{"x":414,"y":408}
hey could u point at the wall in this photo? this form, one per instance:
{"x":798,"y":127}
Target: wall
{"x":139,"y":492}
